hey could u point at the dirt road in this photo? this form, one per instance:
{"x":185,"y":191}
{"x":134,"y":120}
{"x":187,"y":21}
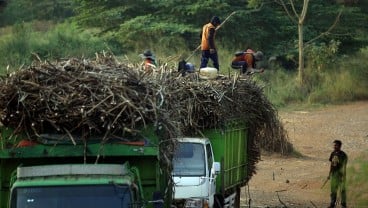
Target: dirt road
{"x":297,"y":181}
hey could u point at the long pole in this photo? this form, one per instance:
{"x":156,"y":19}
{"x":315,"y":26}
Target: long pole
{"x":195,"y":50}
{"x":324,"y":183}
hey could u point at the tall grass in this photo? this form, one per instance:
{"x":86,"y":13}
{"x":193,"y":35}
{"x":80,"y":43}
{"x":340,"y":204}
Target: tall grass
{"x":357,"y":182}
{"x":345,"y":80}
{"x":63,"y":40}
{"x":280,"y":86}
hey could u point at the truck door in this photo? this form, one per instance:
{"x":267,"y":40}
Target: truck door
{"x":211,"y":172}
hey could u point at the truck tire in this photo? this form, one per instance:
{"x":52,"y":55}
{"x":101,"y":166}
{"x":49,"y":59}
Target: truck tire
{"x":219,"y":201}
{"x":237,"y":199}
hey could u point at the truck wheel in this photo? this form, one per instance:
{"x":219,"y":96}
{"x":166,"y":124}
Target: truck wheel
{"x":237,"y":199}
{"x":219,"y":201}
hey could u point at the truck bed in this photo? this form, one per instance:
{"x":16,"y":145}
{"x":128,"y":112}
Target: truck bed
{"x":230,"y":148}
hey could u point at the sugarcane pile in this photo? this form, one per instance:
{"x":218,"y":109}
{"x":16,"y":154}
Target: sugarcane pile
{"x":105,"y":97}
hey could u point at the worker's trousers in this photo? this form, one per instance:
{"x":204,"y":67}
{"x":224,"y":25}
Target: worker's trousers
{"x":206,"y":55}
{"x":337,"y":185}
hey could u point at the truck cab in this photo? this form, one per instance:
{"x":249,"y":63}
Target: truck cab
{"x":75,"y":186}
{"x":194,"y":173}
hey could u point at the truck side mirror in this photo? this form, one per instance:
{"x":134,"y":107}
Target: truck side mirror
{"x":217,"y":167}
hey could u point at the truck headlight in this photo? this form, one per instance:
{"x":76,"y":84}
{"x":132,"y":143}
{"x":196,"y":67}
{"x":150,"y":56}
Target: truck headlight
{"x":196,"y":203}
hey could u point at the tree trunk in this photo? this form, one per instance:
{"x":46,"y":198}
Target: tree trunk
{"x":301,"y":54}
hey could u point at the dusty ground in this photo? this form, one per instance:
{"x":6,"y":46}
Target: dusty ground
{"x":298,"y":181}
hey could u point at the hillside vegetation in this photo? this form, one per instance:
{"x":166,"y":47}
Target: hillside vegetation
{"x":335,"y":36}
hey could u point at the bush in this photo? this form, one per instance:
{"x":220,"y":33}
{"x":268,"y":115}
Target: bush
{"x":63,"y":40}
{"x":345,"y":81}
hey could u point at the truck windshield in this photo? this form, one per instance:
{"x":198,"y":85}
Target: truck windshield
{"x":189,"y":160}
{"x":101,"y":196}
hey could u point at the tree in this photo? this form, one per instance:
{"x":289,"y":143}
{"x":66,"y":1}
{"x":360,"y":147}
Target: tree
{"x":299,"y":19}
{"x":17,"y":11}
{"x":175,"y":24}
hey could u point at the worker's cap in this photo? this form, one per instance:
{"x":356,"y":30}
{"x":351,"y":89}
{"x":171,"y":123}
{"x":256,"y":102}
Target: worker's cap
{"x":215,"y":20}
{"x":147,"y":54}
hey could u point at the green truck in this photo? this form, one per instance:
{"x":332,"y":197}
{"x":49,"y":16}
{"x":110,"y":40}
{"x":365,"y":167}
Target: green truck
{"x":209,"y":171}
{"x":52,"y":174}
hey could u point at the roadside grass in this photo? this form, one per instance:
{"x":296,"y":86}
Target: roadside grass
{"x":357,"y":182}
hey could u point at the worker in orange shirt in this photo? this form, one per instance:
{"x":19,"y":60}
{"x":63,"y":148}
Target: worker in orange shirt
{"x":208,"y":43}
{"x":246,"y":61}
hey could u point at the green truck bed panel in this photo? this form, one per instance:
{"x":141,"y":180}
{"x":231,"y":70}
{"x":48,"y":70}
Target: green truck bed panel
{"x":230,"y":148}
{"x":40,"y":151}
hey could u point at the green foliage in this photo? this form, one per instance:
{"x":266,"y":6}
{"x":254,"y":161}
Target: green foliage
{"x":137,"y":23}
{"x":344,"y":80}
{"x":141,"y":24}
{"x":171,"y":29}
{"x":15,"y":48}
{"x":357,"y":186}
{"x":64,"y":40}
{"x":18,"y":11}
{"x":322,"y":54}
{"x":281,"y":87}
{"x":347,"y":80}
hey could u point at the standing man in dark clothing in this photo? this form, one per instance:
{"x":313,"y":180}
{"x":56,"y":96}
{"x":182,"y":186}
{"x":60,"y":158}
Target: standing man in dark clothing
{"x":208,"y":43}
{"x":337,"y":174}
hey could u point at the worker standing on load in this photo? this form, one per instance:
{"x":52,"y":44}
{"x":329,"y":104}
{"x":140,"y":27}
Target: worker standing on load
{"x":208,"y":43}
{"x":149,"y":61}
{"x":337,"y":174}
{"x":245,"y":61}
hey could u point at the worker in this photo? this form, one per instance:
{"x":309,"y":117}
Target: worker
{"x":246,"y":60}
{"x":208,"y":43}
{"x":337,"y":174}
{"x":149,"y":61}
{"x":185,"y":67}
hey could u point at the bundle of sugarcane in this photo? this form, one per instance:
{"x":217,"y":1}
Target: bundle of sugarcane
{"x":79,"y":95}
{"x":103,"y":96}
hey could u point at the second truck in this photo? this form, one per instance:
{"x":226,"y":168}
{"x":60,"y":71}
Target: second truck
{"x":210,"y":171}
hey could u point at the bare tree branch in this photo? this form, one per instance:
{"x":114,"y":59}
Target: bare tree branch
{"x":294,"y":10}
{"x":287,"y":11}
{"x":304,"y":11}
{"x":327,"y":31}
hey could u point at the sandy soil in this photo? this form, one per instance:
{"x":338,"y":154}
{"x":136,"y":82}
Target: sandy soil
{"x":297,"y":181}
